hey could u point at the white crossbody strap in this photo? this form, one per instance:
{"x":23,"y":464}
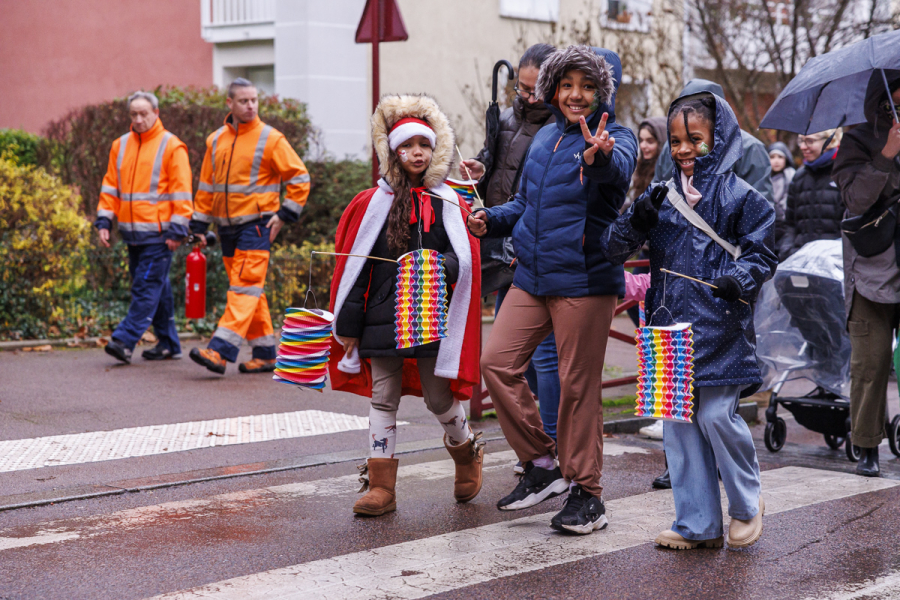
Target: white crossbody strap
{"x":697,"y":221}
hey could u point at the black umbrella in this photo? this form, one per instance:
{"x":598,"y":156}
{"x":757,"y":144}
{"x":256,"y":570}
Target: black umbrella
{"x":492,"y":121}
{"x":830,"y":90}
{"x":496,"y":254}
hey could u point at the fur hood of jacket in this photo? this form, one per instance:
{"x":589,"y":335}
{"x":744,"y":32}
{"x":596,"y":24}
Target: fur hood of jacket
{"x":391,"y":108}
{"x":582,"y":58}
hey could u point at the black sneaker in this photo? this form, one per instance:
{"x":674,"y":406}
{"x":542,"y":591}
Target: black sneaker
{"x":159,"y":353}
{"x":582,"y":513}
{"x":115,"y":349}
{"x":535,"y":486}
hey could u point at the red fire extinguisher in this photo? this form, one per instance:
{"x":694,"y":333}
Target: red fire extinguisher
{"x":195,"y":281}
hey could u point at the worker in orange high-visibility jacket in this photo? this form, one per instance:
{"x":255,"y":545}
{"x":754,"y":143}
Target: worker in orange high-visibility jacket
{"x":246,"y":165}
{"x":147,"y":188}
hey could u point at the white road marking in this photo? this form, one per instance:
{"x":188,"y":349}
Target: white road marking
{"x":451,"y":561}
{"x":94,"y":446}
{"x":409,"y":477}
{"x":881,"y":588}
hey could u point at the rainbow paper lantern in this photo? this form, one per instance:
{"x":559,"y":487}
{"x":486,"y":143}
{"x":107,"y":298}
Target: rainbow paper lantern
{"x":421,"y":314}
{"x":665,"y":388}
{"x":304,"y":348}
{"x":466,"y":189}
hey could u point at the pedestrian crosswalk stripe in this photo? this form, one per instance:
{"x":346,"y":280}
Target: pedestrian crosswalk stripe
{"x":410,"y":478}
{"x":880,"y":588}
{"x":455,"y":560}
{"x":95,"y":446}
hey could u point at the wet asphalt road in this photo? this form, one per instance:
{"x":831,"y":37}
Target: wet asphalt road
{"x":137,"y":545}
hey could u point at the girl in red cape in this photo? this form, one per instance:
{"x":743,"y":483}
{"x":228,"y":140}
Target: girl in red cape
{"x":412,"y":208}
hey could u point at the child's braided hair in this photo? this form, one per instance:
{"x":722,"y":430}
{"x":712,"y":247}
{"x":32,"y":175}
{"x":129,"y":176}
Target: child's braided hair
{"x":704,"y":105}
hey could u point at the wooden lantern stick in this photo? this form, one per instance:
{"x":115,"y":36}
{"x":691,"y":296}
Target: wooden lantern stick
{"x":715,"y":287}
{"x":478,"y":203}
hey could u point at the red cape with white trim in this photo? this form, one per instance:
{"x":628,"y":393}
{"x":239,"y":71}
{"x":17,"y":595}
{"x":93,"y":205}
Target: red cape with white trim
{"x":459,"y":352}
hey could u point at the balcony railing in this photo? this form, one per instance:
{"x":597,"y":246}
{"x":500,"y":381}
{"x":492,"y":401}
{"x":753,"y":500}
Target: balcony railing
{"x":237,"y":20}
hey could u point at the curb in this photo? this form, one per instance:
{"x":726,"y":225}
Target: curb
{"x":19,"y":344}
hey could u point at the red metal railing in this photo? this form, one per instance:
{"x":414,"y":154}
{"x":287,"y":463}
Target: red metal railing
{"x":477,"y":404}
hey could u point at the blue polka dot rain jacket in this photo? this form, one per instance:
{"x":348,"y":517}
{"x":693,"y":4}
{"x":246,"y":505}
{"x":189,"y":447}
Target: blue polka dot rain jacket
{"x":724,"y":339}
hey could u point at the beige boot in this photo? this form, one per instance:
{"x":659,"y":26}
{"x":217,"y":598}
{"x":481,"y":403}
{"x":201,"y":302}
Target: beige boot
{"x":742,"y":534}
{"x":382,"y":480}
{"x":468,"y":457}
{"x":670,"y":539}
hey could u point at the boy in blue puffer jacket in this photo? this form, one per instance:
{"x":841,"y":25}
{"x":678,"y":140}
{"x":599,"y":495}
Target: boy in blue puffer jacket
{"x":705,"y":144}
{"x":573,"y":184}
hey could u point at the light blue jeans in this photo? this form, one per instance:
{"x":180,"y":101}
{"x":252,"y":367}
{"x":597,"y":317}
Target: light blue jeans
{"x":542,"y":376}
{"x":719,"y":439}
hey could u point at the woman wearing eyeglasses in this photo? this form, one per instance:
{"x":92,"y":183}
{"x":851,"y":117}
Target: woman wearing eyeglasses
{"x":814,"y":209}
{"x":518,"y":126}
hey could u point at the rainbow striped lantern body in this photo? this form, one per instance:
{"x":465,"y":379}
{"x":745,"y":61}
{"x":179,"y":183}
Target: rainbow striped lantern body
{"x":304,"y":349}
{"x":665,"y":372}
{"x":466,"y":189}
{"x":421,"y":314}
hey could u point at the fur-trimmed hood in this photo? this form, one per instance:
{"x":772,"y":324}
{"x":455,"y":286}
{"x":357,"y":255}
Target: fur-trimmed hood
{"x":394,"y":107}
{"x":602,"y":66}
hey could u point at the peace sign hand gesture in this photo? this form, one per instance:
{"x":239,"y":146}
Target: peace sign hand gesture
{"x":599,"y":141}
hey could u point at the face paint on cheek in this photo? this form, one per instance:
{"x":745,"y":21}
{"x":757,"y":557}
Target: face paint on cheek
{"x":402,"y":155}
{"x":703,"y":149}
{"x":595,"y":103}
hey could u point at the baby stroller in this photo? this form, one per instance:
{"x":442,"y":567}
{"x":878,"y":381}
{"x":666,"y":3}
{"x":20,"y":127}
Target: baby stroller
{"x":801,"y":334}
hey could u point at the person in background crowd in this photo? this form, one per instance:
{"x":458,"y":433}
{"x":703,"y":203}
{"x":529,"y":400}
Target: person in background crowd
{"x":753,"y":166}
{"x":782,"y":162}
{"x":518,"y":126}
{"x":246,"y":165}
{"x":867,"y":170}
{"x":147,"y":187}
{"x":574,"y":181}
{"x":814,"y":209}
{"x":651,"y":140}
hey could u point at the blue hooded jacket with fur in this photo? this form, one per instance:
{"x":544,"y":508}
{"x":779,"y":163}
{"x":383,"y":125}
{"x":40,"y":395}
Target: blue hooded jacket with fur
{"x":563,"y":205}
{"x":724,"y":339}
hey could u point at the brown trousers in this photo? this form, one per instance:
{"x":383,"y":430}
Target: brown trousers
{"x":581,"y":326}
{"x":871,"y":326}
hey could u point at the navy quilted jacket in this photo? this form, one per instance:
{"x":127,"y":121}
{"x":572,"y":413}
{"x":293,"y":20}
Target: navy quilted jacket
{"x":563,"y":206}
{"x":724,"y":339}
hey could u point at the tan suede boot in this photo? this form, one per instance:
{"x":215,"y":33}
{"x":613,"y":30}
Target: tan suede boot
{"x":468,"y":457}
{"x":381,"y":482}
{"x":742,"y":534}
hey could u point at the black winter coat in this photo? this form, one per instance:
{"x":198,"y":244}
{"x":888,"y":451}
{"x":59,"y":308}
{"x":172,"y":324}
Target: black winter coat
{"x":814,"y":209}
{"x":518,"y":126}
{"x":368,"y":312}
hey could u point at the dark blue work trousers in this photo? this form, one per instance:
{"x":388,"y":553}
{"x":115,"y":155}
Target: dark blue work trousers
{"x":151,"y":298}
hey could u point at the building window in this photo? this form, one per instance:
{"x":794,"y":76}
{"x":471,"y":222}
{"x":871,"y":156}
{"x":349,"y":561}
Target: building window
{"x":263,"y":77}
{"x":630,"y":15}
{"x":532,"y":10}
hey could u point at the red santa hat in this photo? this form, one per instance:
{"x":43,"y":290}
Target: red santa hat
{"x":407,"y":128}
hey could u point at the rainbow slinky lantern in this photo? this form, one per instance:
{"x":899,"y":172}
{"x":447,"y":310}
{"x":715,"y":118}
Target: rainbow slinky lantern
{"x":304,"y":349}
{"x":421,"y":314}
{"x":665,"y":388}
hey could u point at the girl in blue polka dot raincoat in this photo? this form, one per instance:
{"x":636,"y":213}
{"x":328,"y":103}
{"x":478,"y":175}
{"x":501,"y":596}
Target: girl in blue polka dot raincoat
{"x":706,"y":142}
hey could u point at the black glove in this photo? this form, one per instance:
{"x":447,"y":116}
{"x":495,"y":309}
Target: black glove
{"x":727,"y":288}
{"x":645,"y":215}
